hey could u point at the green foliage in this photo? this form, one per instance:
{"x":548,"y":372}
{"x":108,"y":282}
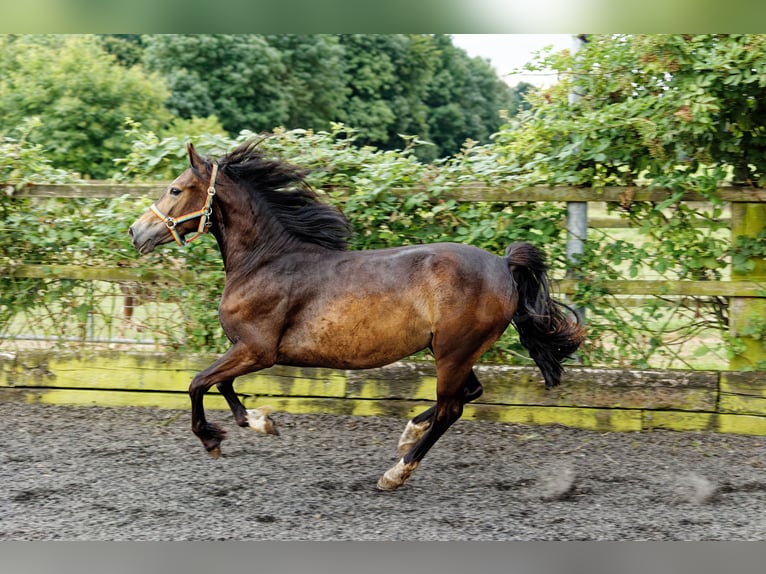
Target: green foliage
{"x":22,"y":162}
{"x":313,"y":80}
{"x":747,"y":250}
{"x":234,"y":77}
{"x":360,"y":179}
{"x":390,"y":86}
{"x":671,"y":109}
{"x":21,"y":230}
{"x":127,"y":49}
{"x":80,"y":97}
{"x":388,"y":76}
{"x":162,"y":156}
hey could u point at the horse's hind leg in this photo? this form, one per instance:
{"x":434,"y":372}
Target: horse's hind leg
{"x":256,"y":419}
{"x":419,"y":424}
{"x":449,"y":406}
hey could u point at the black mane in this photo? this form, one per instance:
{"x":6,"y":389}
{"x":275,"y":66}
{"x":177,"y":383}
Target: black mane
{"x":282,"y":192}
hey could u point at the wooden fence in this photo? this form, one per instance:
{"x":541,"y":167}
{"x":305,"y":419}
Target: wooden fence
{"x":591,"y":398}
{"x":606,"y":399}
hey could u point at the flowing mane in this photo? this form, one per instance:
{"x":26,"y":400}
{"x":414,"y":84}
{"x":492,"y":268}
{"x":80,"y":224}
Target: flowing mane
{"x":280,"y":188}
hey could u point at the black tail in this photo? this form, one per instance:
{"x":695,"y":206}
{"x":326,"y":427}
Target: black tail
{"x":544,"y":328}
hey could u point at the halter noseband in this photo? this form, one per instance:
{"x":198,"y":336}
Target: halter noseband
{"x":203,"y":214}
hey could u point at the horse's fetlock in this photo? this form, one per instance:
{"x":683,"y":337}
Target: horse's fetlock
{"x":260,"y":421}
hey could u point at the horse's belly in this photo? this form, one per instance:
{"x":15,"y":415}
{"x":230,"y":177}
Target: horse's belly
{"x":356,"y":336}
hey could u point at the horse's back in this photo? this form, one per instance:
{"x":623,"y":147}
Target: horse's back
{"x":449,"y":271}
{"x":431,"y":271}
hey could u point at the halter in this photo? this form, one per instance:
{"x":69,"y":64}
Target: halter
{"x":203,"y":214}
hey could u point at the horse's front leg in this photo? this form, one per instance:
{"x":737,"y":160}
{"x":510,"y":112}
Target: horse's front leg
{"x":237,"y":361}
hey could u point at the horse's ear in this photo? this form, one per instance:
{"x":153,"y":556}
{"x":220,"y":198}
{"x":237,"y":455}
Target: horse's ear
{"x":194,"y":159}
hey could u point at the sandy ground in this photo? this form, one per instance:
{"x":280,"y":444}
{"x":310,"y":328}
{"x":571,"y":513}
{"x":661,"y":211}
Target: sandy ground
{"x":91,"y":473}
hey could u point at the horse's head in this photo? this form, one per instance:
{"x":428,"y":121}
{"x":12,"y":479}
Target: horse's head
{"x":184,"y":207}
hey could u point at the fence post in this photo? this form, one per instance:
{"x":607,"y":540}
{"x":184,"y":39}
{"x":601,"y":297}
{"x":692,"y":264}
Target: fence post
{"x":747,"y":315}
{"x":577,"y":211}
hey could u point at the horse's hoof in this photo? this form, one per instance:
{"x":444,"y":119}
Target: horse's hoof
{"x":385,"y":483}
{"x":396,"y":476}
{"x":260,"y":421}
{"x":215,"y":452}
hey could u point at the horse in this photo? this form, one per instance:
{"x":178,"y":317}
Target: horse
{"x":295,"y":295}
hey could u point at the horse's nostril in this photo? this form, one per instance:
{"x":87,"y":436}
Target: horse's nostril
{"x":130,"y":231}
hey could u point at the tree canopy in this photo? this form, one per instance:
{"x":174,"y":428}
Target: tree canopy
{"x":384,"y":86}
{"x":75,"y":99}
{"x":83,"y":88}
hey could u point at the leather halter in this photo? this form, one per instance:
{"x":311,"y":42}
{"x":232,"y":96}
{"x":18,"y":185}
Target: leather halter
{"x":203,"y":214}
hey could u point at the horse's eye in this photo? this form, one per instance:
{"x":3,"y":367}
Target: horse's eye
{"x":175,"y":191}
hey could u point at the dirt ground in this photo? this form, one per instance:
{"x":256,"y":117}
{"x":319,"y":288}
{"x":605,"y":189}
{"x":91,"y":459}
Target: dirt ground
{"x":91,"y":473}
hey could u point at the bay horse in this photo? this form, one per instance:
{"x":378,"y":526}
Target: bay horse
{"x":294,"y":295}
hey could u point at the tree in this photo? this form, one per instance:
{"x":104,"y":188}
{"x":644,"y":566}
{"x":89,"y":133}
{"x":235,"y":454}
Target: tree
{"x":464,"y":98}
{"x":237,"y":78}
{"x":80,"y":95}
{"x":388,"y":78}
{"x":383,"y":85}
{"x":369,"y":70}
{"x":314,"y":80}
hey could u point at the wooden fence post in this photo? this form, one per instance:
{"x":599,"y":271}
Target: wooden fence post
{"x":747,"y":315}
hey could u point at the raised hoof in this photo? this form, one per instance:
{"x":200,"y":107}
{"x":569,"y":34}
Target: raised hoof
{"x":411,"y":435}
{"x":260,"y":421}
{"x":396,"y":476}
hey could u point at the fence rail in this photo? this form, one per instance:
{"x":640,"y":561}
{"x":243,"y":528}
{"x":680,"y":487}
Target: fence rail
{"x":591,"y":398}
{"x":562,"y":286}
{"x":467,"y":192}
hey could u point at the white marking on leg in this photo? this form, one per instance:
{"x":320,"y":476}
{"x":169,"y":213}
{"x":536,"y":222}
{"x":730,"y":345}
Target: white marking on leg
{"x":260,"y":421}
{"x":395,"y":476}
{"x":411,"y":435}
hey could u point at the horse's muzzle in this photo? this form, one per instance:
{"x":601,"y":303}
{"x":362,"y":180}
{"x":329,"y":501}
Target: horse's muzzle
{"x":142,"y":236}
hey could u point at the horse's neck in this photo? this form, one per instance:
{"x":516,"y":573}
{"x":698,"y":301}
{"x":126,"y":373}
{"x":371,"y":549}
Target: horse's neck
{"x":244,"y":246}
